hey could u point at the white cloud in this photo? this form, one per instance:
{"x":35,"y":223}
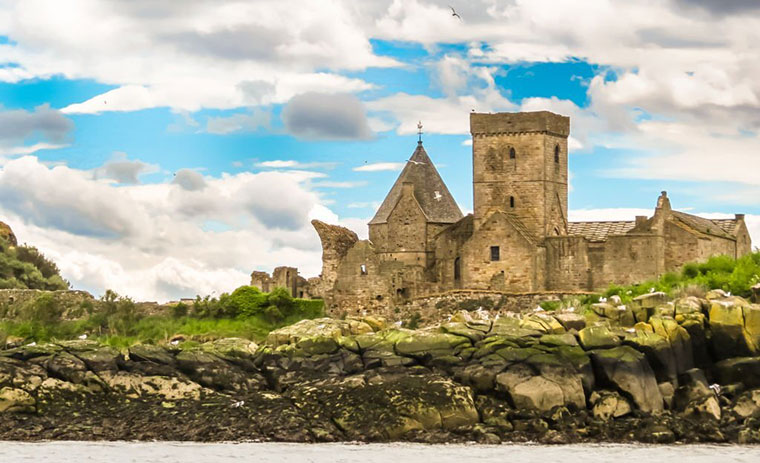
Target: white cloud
{"x":193,"y":55}
{"x":151,"y":241}
{"x":380,"y":166}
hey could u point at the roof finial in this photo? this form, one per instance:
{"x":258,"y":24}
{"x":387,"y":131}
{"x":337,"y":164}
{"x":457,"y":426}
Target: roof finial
{"x":419,"y":132}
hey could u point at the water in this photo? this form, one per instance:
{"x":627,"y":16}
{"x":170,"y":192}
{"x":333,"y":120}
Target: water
{"x":169,"y":452}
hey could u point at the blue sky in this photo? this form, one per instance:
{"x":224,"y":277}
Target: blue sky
{"x":170,"y":151}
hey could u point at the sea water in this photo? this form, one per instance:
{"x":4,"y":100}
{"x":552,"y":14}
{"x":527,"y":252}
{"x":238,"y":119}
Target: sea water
{"x":170,"y":452}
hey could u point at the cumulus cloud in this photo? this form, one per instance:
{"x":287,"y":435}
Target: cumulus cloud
{"x":124,"y":170}
{"x":189,"y":179}
{"x":326,"y":116}
{"x":18,"y":125}
{"x":154,"y":241}
{"x":192,"y":55}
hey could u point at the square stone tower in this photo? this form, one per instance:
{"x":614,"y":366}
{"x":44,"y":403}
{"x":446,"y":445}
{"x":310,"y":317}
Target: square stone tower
{"x":520,"y":167}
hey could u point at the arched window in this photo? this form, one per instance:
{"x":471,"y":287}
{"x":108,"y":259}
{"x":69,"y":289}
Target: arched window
{"x":511,"y":201}
{"x":457,"y":269}
{"x":556,"y":154}
{"x":512,"y":153}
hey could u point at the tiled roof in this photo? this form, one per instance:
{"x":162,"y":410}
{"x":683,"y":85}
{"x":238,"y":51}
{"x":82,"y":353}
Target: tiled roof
{"x":728,"y":225}
{"x":429,"y":190}
{"x":599,"y":231}
{"x":701,"y":225}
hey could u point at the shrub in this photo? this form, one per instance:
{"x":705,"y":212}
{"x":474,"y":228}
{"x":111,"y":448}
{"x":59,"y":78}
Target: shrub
{"x":551,"y":306}
{"x":179,"y":310}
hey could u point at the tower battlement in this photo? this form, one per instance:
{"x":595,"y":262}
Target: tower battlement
{"x":505,"y":123}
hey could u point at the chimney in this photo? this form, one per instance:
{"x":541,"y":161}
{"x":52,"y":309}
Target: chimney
{"x":663,"y":202}
{"x":739,"y":217}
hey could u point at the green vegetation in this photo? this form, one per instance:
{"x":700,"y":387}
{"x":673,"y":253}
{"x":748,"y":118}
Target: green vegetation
{"x":719,"y":272}
{"x":115,"y":320}
{"x":25,"y":267}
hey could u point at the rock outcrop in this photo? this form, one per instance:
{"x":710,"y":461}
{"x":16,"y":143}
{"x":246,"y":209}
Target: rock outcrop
{"x":683,"y":370}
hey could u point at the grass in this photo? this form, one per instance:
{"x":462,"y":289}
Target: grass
{"x":720,"y":272}
{"x":115,"y":322}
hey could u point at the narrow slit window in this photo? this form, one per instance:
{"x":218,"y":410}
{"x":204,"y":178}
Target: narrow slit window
{"x":494,"y":253}
{"x":511,"y":201}
{"x":556,"y":154}
{"x":457,"y":269}
{"x":512,"y":153}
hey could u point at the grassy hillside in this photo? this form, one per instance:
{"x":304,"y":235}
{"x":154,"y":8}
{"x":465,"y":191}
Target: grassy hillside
{"x":25,"y":267}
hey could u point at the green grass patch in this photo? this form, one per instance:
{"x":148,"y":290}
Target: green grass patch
{"x":246,"y":313}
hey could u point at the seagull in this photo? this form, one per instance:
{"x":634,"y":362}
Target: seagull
{"x":83,"y":337}
{"x":238,"y":404}
{"x":437,"y":196}
{"x":454,"y":12}
{"x":414,"y":162}
{"x":715,"y":388}
{"x":175,"y":342}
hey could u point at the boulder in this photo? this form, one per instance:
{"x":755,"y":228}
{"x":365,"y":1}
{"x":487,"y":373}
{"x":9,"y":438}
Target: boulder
{"x":597,"y":337}
{"x":542,"y":322}
{"x":318,"y":327}
{"x":735,"y":327}
{"x":745,"y":370}
{"x":649,"y":301}
{"x":430,"y":343}
{"x":609,"y":404}
{"x":694,"y":397}
{"x":542,"y":383}
{"x":213,"y":372}
{"x":748,"y":404}
{"x":161,"y":387}
{"x":627,"y":370}
{"x":570,"y":320}
{"x":657,"y":350}
{"x":13,"y":400}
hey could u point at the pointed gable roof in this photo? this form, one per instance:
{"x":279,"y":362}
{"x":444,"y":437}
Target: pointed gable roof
{"x":431,"y":193}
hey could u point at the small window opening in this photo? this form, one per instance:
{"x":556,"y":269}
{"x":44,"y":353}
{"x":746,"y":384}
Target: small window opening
{"x":556,"y":154}
{"x":457,"y":269}
{"x":363,"y":269}
{"x":512,"y":153}
{"x":494,"y":253}
{"x":300,"y":294}
{"x":401,"y":292}
{"x":511,"y":201}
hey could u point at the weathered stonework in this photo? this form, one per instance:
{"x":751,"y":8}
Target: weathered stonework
{"x":518,"y":239}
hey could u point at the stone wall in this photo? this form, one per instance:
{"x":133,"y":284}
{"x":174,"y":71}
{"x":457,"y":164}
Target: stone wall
{"x":438,"y":307}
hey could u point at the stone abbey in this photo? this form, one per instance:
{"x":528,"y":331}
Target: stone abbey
{"x":518,"y":238}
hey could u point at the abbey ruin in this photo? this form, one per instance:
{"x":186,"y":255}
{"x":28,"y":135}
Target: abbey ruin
{"x":517,"y":240}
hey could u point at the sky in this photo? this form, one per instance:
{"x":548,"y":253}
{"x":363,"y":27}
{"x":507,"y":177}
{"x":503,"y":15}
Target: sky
{"x":165,"y":149}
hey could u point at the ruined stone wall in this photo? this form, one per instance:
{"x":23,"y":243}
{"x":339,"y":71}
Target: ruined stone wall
{"x":568,"y":266}
{"x":261,"y":280}
{"x":631,"y":258}
{"x":438,"y":307}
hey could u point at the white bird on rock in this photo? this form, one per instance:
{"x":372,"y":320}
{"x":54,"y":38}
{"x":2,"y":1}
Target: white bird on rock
{"x":83,"y":337}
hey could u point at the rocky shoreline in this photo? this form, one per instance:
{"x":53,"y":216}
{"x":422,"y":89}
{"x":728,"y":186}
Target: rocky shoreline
{"x":654,"y":371}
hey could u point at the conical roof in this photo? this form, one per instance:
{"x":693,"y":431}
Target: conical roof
{"x":429,"y":190}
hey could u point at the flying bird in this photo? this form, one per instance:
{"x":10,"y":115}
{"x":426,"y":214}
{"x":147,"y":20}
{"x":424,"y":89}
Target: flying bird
{"x":454,"y":12}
